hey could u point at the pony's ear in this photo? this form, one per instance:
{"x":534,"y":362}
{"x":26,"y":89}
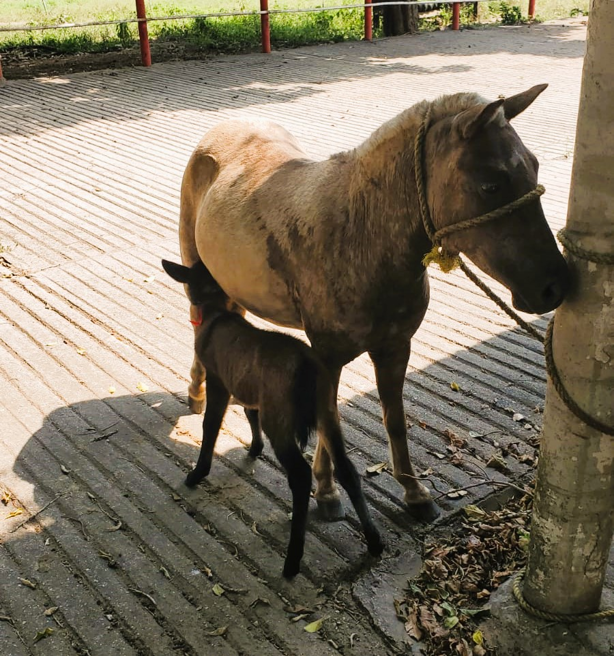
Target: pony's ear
{"x":513,"y":105}
{"x":177,"y":272}
{"x":471,"y":121}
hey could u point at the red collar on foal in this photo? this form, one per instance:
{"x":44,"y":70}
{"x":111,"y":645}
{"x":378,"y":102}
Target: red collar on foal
{"x":196,"y":315}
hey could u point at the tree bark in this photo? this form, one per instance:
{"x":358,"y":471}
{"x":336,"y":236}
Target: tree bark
{"x":573,"y":517}
{"x":399,"y":19}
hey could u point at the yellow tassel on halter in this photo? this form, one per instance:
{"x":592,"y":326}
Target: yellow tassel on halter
{"x":438,"y":256}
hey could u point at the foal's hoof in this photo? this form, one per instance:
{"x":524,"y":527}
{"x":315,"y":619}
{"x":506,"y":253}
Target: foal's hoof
{"x":291,"y":570}
{"x":196,"y":405}
{"x":193,"y":478}
{"x":255,"y":450}
{"x":375,"y":544}
{"x":423,"y":511}
{"x":331,"y":510}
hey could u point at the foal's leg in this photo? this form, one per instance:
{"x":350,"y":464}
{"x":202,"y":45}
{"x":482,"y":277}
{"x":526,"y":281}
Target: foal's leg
{"x":327,"y":495}
{"x":390,"y":367}
{"x":254,"y":423}
{"x":217,"y":402}
{"x":350,"y":481}
{"x":299,"y":479}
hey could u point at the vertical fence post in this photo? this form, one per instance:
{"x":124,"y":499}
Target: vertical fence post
{"x":2,"y":80}
{"x":265,"y":26}
{"x":531,"y":9}
{"x":456,"y":16}
{"x":143,"y":36}
{"x":368,"y":20}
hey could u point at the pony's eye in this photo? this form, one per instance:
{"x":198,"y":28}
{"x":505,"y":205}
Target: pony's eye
{"x":490,"y":188}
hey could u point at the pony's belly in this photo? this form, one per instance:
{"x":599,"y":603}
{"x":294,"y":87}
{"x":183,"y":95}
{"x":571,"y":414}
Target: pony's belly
{"x":240,"y":267}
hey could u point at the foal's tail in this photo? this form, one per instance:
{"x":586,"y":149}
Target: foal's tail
{"x":305,"y":401}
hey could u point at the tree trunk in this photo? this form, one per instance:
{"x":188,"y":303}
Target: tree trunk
{"x":399,"y":19}
{"x":574,"y":505}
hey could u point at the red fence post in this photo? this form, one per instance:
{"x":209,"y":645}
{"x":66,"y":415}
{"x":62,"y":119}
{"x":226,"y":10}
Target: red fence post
{"x":143,"y":36}
{"x":368,"y":21}
{"x":456,"y":16}
{"x":265,"y":26}
{"x":531,"y":9}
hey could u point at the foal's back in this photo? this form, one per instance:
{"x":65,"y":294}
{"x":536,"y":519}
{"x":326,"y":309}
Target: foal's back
{"x":254,"y":365}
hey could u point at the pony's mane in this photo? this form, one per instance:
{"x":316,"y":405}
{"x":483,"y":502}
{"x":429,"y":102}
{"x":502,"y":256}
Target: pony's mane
{"x":406,"y":123}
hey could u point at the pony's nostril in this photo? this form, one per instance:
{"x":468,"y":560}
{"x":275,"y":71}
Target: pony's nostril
{"x":553,"y":294}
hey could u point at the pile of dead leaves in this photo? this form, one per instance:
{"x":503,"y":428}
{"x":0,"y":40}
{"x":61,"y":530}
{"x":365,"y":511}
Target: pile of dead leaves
{"x":443,"y":603}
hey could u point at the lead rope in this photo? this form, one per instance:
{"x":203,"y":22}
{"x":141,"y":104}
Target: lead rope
{"x":448,"y":262}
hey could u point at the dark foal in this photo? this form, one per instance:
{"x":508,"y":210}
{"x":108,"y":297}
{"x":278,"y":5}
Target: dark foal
{"x":285,"y":390}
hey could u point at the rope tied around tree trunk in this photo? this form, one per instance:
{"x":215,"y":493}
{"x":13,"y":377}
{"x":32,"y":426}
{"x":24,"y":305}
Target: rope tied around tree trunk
{"x":555,"y":617}
{"x":448,"y":262}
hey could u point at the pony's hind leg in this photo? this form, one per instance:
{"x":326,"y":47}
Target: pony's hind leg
{"x":390,"y":368}
{"x":196,"y":390}
{"x":327,"y":495}
{"x":217,"y":403}
{"x":257,"y":445}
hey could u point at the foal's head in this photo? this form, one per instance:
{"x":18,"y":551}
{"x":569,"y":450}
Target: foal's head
{"x":203,"y":290}
{"x":475,"y":162}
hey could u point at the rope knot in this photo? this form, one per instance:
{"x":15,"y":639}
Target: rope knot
{"x":437,"y":255}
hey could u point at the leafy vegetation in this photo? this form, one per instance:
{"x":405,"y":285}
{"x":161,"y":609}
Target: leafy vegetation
{"x":228,"y":34}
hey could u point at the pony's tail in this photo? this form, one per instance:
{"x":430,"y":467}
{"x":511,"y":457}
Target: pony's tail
{"x":305,"y":401}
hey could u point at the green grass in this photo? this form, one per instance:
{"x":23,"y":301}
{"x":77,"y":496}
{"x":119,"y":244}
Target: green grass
{"x":220,"y":34}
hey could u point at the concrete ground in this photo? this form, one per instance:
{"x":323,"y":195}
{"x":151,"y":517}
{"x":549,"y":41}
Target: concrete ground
{"x":95,"y":349}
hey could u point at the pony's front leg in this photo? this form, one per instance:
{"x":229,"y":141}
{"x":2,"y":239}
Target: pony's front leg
{"x":327,"y":495}
{"x":196,"y":390}
{"x":390,"y":367}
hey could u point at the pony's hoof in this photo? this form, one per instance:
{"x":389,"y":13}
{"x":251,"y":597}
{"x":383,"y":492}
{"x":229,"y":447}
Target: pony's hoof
{"x":196,"y":405}
{"x":331,"y":510}
{"x":423,"y":511}
{"x":255,"y":451}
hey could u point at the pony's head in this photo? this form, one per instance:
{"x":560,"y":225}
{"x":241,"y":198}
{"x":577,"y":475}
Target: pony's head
{"x":474,"y":163}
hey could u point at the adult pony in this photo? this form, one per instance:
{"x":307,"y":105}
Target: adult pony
{"x":335,"y":247}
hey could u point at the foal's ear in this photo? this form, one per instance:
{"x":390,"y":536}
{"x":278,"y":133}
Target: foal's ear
{"x":177,"y":272}
{"x":471,"y":121}
{"x":513,"y":105}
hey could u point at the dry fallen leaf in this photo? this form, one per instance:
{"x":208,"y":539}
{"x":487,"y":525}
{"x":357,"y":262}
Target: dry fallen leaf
{"x":81,"y":351}
{"x":41,"y":635}
{"x":28,"y":583}
{"x":149,"y":279}
{"x":517,"y":417}
{"x":314,"y":626}
{"x":15,"y":513}
{"x":455,"y":386}
{"x":51,"y":610}
{"x":255,"y":529}
{"x":478,"y":637}
{"x":376,"y":469}
{"x":142,"y":387}
{"x":218,"y":632}
{"x":159,"y":316}
{"x":218,"y":590}
{"x":112,"y":390}
{"x":497,"y":462}
{"x":411,"y":626}
{"x":6,"y":497}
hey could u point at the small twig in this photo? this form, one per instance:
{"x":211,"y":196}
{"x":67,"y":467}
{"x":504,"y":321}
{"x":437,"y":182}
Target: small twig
{"x":6,"y":618}
{"x":140,"y":592}
{"x":25,"y":521}
{"x":105,"y":436}
{"x":489,"y":482}
{"x":79,"y":521}
{"x":115,"y":520}
{"x":426,"y":478}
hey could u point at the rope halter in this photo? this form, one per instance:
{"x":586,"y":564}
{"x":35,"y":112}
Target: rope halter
{"x":438,"y":254}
